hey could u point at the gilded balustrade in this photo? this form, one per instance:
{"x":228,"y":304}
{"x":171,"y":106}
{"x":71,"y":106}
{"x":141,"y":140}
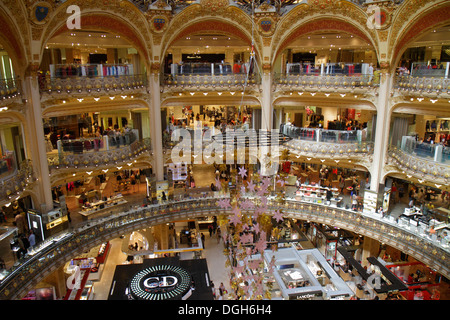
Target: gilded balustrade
{"x":12,"y":186}
{"x":429,"y":86}
{"x":99,"y":158}
{"x":418,"y":167}
{"x":89,"y":85}
{"x":10,"y":90}
{"x":314,"y":81}
{"x":211,"y":81}
{"x":338,"y":150}
{"x":57,"y":250}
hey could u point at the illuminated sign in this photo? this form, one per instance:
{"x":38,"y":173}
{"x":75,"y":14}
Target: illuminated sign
{"x":163,"y":282}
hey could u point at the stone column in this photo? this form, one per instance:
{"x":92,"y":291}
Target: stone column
{"x":155,"y":122}
{"x":266,"y":98}
{"x":36,"y":145}
{"x":382,"y":131}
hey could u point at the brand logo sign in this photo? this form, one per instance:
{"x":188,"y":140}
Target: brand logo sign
{"x":163,"y":282}
{"x":160,"y":282}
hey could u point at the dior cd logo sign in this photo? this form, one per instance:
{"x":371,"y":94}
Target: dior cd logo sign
{"x":160,"y":282}
{"x":163,"y":282}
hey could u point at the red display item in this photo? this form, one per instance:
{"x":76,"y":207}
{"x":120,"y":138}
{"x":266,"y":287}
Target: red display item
{"x":101,"y":256}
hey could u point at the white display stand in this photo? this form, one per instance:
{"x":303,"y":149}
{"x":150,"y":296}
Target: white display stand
{"x":370,"y":201}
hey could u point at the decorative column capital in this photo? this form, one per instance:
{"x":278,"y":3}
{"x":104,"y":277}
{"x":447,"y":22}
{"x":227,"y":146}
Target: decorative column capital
{"x":385,"y":67}
{"x":155,"y":68}
{"x":32,"y":70}
{"x":267,"y":68}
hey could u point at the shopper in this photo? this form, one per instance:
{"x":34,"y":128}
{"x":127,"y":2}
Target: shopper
{"x":213,"y":290}
{"x":24,"y":244}
{"x":32,"y":239}
{"x":210,"y":229}
{"x":222,"y":291}
{"x":411,"y":202}
{"x":2,"y":216}
{"x":219,"y":235}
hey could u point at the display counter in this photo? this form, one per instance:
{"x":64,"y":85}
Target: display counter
{"x":101,"y":206}
{"x":306,"y":275}
{"x":411,"y":212}
{"x":103,"y":252}
{"x":318,"y":194}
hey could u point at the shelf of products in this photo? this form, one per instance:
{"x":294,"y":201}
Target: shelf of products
{"x":90,"y":70}
{"x":55,"y":218}
{"x":318,"y":194}
{"x":179,"y":171}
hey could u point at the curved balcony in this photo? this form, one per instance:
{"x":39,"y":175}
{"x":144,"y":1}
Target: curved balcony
{"x":16,"y":182}
{"x":432,"y":87}
{"x":10,"y":91}
{"x":329,"y":144}
{"x":419,"y":165}
{"x":357,"y":83}
{"x":56,"y":251}
{"x":209,"y":82}
{"x":80,"y":86}
{"x":108,"y":155}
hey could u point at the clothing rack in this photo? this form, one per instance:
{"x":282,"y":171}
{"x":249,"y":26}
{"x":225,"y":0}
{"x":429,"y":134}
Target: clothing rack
{"x":89,"y":70}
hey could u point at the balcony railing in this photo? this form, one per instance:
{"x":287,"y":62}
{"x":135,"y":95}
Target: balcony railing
{"x":419,"y":164}
{"x":55,"y":251}
{"x":104,"y":157}
{"x":324,"y":135}
{"x":82,"y":85}
{"x":104,"y":143}
{"x":326,"y":82}
{"x":9,"y":89}
{"x":16,"y":182}
{"x":431,"y":152}
{"x":422,"y":85}
{"x":212,"y":81}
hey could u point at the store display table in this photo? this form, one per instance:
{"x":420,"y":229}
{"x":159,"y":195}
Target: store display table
{"x":102,"y":206}
{"x":412,"y":212}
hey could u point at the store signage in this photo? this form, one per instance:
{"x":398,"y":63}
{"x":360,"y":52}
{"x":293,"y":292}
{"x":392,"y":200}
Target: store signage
{"x":305,"y":296}
{"x":161,"y":282}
